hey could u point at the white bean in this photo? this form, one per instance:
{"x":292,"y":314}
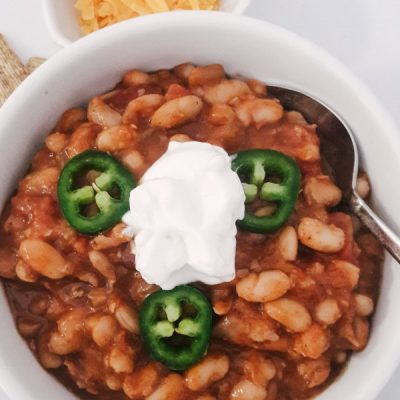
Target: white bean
{"x":70,"y":120}
{"x":177,"y":112}
{"x":341,"y":357}
{"x":356,"y":331}
{"x":116,"y":138}
{"x":226,"y":91}
{"x":257,"y":87}
{"x":136,"y":77}
{"x":259,"y":369}
{"x":113,"y":239}
{"x":263,"y":287}
{"x":183,"y":71}
{"x":180,"y":137}
{"x":88,"y":277}
{"x":312,"y":343}
{"x":44,"y":259}
{"x":25,"y":272}
{"x":143,"y":382}
{"x":327,"y":311}
{"x":102,"y":114}
{"x":314,"y":372}
{"x":288,"y":243}
{"x":104,"y":330}
{"x":265,"y":211}
{"x":221,"y":300}
{"x":127,"y":318}
{"x":83,"y":138}
{"x":361,"y":330}
{"x":364,"y":305}
{"x":133,"y":160}
{"x":221,"y":114}
{"x":246,"y":390}
{"x":27,"y":327}
{"x":172,"y":387}
{"x":294,"y":117}
{"x":207,"y":75}
{"x":309,"y":152}
{"x":210,"y":369}
{"x":113,"y":381}
{"x":43,"y":181}
{"x":343,"y":274}
{"x":142,"y":106}
{"x":56,"y":142}
{"x":48,"y":359}
{"x":68,"y":337}
{"x":321,"y":190}
{"x":102,"y":264}
{"x":39,"y":305}
{"x":319,"y":236}
{"x":362,"y":186}
{"x":290,"y":313}
{"x":259,"y":112}
{"x":121,"y":360}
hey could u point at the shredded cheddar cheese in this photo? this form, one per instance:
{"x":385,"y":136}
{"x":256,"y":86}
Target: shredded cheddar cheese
{"x":96,"y":14}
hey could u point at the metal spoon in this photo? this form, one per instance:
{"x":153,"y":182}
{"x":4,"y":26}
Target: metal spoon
{"x":339,"y":150}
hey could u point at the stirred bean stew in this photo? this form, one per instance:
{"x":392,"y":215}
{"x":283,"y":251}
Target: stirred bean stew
{"x":305,"y":287}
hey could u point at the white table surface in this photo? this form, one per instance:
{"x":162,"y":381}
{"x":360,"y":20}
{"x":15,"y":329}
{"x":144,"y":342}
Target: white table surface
{"x":363,"y":34}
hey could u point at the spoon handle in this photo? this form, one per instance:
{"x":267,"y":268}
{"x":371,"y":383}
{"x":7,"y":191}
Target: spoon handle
{"x":389,"y":240}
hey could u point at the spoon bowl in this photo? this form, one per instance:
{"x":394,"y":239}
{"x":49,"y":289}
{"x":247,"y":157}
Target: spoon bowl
{"x":340,"y":155}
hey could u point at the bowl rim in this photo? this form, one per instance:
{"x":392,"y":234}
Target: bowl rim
{"x":61,"y":39}
{"x":51,"y":25}
{"x":9,"y":381}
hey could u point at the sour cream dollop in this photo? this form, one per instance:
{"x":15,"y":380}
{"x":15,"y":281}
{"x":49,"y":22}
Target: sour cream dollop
{"x":182,"y":217}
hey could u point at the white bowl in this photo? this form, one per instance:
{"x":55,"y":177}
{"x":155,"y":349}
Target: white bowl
{"x":244,"y":46}
{"x":62,"y":19}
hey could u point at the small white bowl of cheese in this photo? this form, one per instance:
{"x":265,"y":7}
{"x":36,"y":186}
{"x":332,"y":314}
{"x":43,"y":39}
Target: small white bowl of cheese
{"x":62,"y":16}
